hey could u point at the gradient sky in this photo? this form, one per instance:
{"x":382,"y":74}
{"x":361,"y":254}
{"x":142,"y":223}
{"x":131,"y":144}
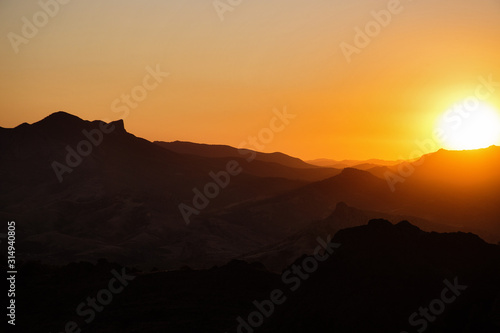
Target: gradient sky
{"x":227,"y":76}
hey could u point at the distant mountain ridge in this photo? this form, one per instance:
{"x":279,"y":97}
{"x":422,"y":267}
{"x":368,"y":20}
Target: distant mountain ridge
{"x":325,"y":162}
{"x":206,"y":150}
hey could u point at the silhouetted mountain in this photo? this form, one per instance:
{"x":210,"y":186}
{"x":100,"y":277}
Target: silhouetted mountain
{"x":358,"y":164}
{"x":458,"y":187}
{"x":118,"y":195}
{"x":289,"y":212}
{"x":205,"y":150}
{"x":277,"y":256}
{"x":382,"y":273}
{"x":462,"y":195}
{"x":122,"y":201}
{"x":373,"y":278}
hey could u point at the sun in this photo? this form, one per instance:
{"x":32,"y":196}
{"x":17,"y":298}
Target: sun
{"x":469,"y":124}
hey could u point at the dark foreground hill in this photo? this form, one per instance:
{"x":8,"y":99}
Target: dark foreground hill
{"x":374,"y":278}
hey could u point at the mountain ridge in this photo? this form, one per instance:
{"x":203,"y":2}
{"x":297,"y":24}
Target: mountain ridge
{"x":123,"y":199}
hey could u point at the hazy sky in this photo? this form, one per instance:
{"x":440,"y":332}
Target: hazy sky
{"x":226,"y":76}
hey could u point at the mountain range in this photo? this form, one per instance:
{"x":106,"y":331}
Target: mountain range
{"x":122,"y":198}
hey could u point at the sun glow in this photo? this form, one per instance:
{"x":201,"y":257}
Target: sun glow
{"x":469,"y":125}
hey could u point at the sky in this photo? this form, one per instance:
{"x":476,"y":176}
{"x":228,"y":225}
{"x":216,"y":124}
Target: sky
{"x":225,"y":69}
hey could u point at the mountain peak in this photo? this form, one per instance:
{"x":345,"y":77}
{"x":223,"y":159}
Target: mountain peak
{"x":379,"y":223}
{"x":61,"y":116}
{"x":341,"y":206}
{"x":119,"y":125}
{"x":407,"y":226}
{"x":355,"y":174}
{"x":341,"y":210}
{"x":350,"y":170}
{"x":58,"y":121}
{"x":61,"y":121}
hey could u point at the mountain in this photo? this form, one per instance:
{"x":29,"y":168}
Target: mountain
{"x":82,"y":190}
{"x":88,"y":189}
{"x":281,"y":254}
{"x":321,"y":243}
{"x":380,"y":275}
{"x":460,"y":189}
{"x":289,"y":212}
{"x":259,"y":164}
{"x":373,"y":278}
{"x":466,"y":184}
{"x":224,"y":151}
{"x":324,"y":162}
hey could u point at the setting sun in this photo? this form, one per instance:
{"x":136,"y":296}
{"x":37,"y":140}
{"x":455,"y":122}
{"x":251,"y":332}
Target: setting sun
{"x":469,"y":125}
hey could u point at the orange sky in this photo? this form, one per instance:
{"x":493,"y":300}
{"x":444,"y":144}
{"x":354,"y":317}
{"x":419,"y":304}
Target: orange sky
{"x":226,"y":77}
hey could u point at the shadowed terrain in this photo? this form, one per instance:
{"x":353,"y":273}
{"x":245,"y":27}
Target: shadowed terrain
{"x":378,"y":275}
{"x":121,"y":202}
